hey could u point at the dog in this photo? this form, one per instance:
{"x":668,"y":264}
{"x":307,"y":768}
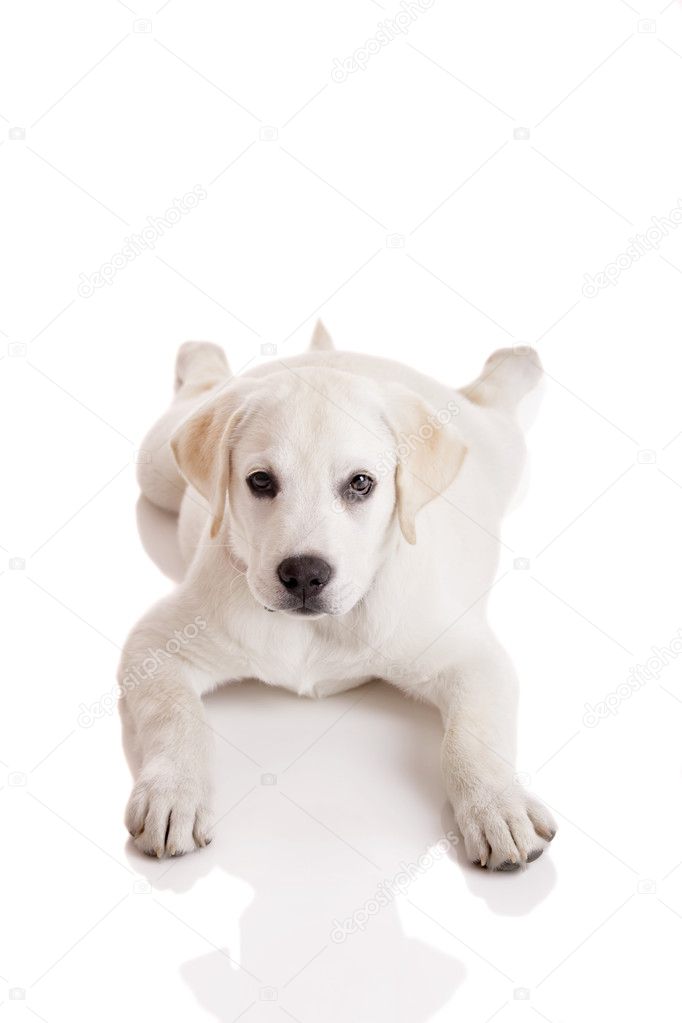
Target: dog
{"x":339,"y":518}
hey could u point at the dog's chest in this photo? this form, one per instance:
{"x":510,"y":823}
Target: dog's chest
{"x":310,"y":667}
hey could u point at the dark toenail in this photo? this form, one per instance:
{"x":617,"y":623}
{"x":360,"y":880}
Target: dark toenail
{"x":508,"y":865}
{"x":533,"y":855}
{"x":552,"y":834}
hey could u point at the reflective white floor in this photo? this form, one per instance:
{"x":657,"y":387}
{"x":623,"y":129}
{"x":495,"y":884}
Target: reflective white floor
{"x":326,"y":894}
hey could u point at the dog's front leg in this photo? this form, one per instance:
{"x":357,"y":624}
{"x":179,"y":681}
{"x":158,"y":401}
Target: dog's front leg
{"x":502,"y":825}
{"x":162,"y":675}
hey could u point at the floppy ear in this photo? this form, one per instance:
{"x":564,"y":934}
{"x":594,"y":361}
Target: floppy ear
{"x":201,"y":447}
{"x":429,"y":454}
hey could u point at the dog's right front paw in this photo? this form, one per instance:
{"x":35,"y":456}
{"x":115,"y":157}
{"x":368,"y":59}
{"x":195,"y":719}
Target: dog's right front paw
{"x":168,"y":813}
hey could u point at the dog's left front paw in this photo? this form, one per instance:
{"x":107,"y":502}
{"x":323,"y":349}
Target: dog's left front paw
{"x":502,"y":829}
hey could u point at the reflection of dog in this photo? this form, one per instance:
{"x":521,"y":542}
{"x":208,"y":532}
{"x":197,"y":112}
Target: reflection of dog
{"x":339,"y":517}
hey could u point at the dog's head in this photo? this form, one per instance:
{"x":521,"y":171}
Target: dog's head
{"x":307,"y":471}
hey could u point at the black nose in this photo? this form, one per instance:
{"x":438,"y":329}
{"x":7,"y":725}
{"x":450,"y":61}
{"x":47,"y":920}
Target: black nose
{"x":304,"y":575}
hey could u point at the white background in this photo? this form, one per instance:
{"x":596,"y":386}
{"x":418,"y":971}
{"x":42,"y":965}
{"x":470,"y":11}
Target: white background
{"x":308,"y":183}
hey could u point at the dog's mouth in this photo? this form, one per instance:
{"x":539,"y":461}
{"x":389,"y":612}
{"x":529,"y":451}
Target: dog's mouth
{"x":304,"y":610}
{"x":310,"y":607}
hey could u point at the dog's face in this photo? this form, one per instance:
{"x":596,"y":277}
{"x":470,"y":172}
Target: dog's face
{"x":305,"y":462}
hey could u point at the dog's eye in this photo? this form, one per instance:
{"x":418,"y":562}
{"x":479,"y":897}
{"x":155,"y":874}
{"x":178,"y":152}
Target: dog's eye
{"x":262,"y":484}
{"x":360,"y":485}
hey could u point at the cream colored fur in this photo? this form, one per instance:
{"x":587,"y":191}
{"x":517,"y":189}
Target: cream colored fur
{"x":411,"y":567}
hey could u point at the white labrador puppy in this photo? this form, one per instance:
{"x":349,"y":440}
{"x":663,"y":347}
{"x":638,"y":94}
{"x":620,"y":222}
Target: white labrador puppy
{"x":339,"y":517}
